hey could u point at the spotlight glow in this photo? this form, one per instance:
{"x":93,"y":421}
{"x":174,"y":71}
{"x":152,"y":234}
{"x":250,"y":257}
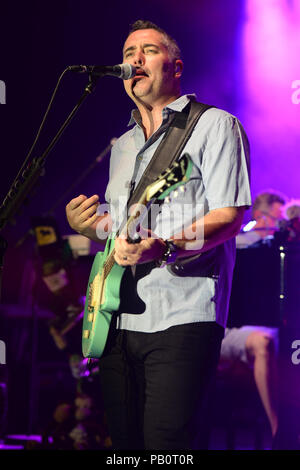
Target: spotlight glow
{"x":271,"y":64}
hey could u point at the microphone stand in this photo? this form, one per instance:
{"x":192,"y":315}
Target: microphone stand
{"x":13,"y":200}
{"x":83,"y":175}
{"x":21,"y":188}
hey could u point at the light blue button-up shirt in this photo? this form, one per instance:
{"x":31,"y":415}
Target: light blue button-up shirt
{"x":219,"y":150}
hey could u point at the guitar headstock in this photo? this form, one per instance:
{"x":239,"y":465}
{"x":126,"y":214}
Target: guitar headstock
{"x":173,"y":177}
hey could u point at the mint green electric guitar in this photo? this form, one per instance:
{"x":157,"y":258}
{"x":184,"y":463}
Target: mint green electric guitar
{"x":103,"y":291}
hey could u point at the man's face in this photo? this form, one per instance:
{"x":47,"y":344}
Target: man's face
{"x":276,"y":211}
{"x":269,"y":218}
{"x":157,"y":75}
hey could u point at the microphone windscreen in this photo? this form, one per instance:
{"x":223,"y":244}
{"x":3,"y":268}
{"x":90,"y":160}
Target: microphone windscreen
{"x":127,"y":71}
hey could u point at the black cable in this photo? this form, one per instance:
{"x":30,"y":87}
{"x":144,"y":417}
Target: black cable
{"x":40,"y":128}
{"x":29,"y":175}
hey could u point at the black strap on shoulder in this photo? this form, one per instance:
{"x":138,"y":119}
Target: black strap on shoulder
{"x":171,"y":146}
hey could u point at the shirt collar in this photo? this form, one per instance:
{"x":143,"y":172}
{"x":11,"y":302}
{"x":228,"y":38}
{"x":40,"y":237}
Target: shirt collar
{"x":176,"y":105}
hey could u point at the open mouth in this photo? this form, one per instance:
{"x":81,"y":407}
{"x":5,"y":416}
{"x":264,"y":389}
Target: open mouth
{"x":140,"y":73}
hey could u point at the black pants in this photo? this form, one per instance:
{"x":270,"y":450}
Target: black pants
{"x":154,"y":383}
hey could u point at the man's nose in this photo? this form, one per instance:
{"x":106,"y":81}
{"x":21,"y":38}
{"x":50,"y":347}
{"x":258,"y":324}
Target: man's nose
{"x":139,"y":58}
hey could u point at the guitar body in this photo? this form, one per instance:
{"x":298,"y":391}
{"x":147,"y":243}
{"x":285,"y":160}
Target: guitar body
{"x":102,"y":299}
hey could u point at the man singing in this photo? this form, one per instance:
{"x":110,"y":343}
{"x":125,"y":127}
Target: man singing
{"x":165,"y":347}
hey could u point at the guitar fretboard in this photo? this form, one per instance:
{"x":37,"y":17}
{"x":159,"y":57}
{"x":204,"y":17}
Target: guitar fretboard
{"x":110,"y":261}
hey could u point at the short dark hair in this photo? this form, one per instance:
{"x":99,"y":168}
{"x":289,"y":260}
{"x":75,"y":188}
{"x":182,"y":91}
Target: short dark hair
{"x":170,"y":42}
{"x":264,"y":200}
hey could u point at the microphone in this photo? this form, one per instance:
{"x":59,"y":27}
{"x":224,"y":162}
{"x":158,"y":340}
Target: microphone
{"x":124,"y":71}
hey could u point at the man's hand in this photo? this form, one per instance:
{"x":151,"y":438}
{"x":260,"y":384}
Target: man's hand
{"x":129,"y":254}
{"x":82,"y":216}
{"x":81,"y":212}
{"x":216,"y":227}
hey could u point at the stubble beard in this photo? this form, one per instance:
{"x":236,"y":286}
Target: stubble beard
{"x":142,"y":96}
{"x":141,"y":89}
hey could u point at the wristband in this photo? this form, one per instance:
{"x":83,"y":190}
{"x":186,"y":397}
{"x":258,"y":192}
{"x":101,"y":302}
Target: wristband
{"x":170,"y":254}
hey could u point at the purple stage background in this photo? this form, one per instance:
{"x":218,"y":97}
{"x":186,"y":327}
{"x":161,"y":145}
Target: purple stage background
{"x":242,"y":56}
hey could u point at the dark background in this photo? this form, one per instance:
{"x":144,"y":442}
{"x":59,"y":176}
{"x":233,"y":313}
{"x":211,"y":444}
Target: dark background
{"x":39,"y":39}
{"x":239,"y":55}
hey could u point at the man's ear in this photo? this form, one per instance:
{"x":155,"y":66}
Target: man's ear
{"x":178,"y":68}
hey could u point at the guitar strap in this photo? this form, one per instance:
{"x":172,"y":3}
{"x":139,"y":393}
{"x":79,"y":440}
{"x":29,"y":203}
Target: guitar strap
{"x":171,"y":146}
{"x":168,"y":151}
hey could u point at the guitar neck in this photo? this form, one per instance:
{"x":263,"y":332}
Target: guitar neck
{"x":136,"y":214}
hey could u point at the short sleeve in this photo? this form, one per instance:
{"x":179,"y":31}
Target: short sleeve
{"x":226,"y":164}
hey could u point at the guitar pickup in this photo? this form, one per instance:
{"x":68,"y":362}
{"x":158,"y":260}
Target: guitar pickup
{"x":86,"y":334}
{"x":90,"y":317}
